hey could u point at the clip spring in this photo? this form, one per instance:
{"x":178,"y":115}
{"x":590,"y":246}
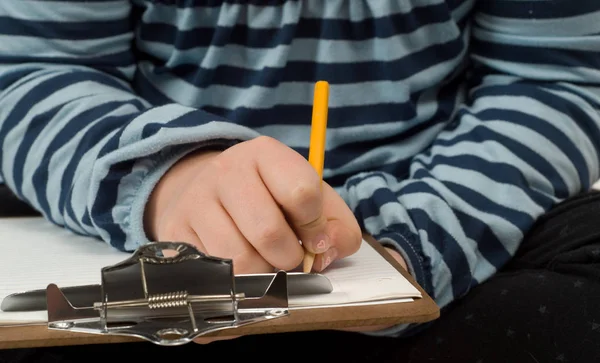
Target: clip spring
{"x":166,"y":301}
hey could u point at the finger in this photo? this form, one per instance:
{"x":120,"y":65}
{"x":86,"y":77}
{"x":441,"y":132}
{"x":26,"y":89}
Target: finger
{"x":324,"y":260}
{"x":179,"y":230}
{"x":296,"y":187}
{"x":342,"y":228}
{"x":222,"y":238}
{"x":259,"y":219}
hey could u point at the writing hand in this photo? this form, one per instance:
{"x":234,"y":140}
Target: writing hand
{"x":252,"y":203}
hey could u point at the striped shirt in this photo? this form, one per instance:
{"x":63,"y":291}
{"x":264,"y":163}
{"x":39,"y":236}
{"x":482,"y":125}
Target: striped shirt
{"x":454,"y":124}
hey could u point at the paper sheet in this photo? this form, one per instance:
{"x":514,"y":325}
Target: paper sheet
{"x":36,"y":253}
{"x":363,"y":277}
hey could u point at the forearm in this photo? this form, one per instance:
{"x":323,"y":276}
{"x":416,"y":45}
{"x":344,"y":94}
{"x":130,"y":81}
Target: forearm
{"x":82,"y":149}
{"x":77,"y":143}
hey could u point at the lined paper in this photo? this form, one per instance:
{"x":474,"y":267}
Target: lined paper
{"x":36,"y":253}
{"x":365,"y":276}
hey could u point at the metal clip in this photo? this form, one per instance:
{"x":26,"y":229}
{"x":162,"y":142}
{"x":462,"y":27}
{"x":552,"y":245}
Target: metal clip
{"x":168,"y":300}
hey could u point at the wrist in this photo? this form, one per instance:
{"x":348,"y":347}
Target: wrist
{"x":172,"y":182}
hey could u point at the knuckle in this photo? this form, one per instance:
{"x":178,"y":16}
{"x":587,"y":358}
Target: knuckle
{"x":264,"y":141}
{"x":268,"y":235}
{"x":220,"y":165}
{"x":305,"y":194}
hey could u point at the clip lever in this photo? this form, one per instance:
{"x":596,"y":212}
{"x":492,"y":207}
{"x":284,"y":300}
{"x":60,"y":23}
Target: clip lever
{"x":168,"y":300}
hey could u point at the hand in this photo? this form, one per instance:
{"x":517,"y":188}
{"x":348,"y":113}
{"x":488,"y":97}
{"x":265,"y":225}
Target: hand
{"x":252,"y":203}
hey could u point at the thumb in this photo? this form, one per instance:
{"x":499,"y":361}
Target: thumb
{"x":313,"y":235}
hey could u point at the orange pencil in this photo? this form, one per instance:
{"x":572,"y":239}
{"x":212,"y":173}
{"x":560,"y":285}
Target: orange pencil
{"x":316,"y":152}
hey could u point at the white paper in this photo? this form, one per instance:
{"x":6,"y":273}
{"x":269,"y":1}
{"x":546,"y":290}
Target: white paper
{"x":36,"y":253}
{"x":365,"y":276}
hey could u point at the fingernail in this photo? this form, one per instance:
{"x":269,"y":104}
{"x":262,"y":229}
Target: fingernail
{"x":322,"y":243}
{"x":328,"y":257}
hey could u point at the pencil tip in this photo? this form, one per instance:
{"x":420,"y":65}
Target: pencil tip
{"x":308,"y":262}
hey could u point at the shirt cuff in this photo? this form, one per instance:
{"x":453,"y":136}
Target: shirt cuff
{"x":405,"y":246}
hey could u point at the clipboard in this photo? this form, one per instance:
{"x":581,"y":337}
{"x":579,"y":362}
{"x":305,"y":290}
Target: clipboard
{"x":258,"y":315}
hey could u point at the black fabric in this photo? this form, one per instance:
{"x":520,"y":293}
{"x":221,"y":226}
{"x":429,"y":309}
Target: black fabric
{"x":10,"y":205}
{"x":543,"y":307}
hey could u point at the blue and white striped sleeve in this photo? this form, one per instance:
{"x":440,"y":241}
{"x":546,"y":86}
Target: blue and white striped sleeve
{"x":527,"y":137}
{"x":76,"y":142}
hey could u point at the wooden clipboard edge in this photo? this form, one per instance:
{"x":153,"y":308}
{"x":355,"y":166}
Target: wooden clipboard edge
{"x":38,"y":336}
{"x":419,"y":311}
{"x":430,"y":308}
